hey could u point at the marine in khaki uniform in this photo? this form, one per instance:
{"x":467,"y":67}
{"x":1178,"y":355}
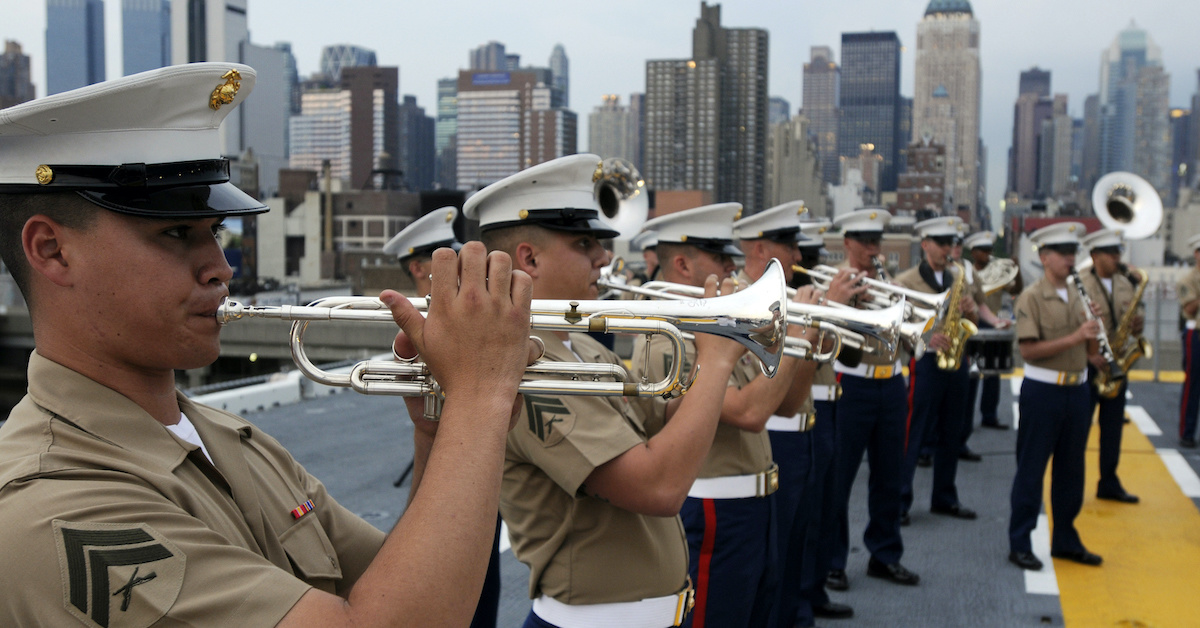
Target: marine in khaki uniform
{"x":590,"y":494}
{"x":871,"y":420}
{"x":1055,"y":339}
{"x":125,"y":503}
{"x":939,"y":397}
{"x":1109,"y":286}
{"x":979,"y":249}
{"x":1188,"y":291}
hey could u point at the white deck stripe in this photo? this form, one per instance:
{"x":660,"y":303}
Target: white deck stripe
{"x":1043,"y":582}
{"x":1016,"y":415}
{"x":1183,"y":473}
{"x":1016,"y":385}
{"x":1142,"y":420}
{"x":504,"y":544}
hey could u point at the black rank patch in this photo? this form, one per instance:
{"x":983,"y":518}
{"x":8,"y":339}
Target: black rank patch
{"x":117,"y":574}
{"x":549,"y":418}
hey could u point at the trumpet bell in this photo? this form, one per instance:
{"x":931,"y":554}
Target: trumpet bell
{"x":1127,"y":203}
{"x":622,"y":196}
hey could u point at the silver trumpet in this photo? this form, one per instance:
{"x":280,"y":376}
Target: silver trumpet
{"x":753,"y":317}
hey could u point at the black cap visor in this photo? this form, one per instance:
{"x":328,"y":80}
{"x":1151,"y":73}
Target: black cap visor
{"x":568,"y":219}
{"x":185,"y":201}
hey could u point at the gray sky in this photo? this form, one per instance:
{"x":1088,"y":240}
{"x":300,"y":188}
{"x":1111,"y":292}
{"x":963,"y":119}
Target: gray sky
{"x":608,"y":43}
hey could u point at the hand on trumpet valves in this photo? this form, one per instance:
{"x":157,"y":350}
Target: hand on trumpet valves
{"x":714,"y":347}
{"x":475,"y":336}
{"x":844,"y":287}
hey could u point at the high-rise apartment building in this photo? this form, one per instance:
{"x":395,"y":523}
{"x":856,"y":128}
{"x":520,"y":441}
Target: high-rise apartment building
{"x":334,"y":58}
{"x":417,"y":153}
{"x":822,"y":85}
{"x":1034,"y":106}
{"x":489,"y":57}
{"x":1182,"y":152}
{"x":870,"y":101}
{"x":262,"y":121}
{"x":145,"y":35}
{"x":16,"y":82}
{"x":204,"y":30}
{"x":779,"y":110}
{"x":921,"y":189}
{"x":1054,"y":152}
{"x":613,"y":130}
{"x":793,"y":167}
{"x":682,"y":118}
{"x":446,"y":133}
{"x":560,"y":73}
{"x":322,"y":132}
{"x":1133,"y":108}
{"x":74,"y":44}
{"x":946,"y":101}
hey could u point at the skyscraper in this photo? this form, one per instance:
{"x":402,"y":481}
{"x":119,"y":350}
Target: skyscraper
{"x":870,"y":101}
{"x":16,"y":83}
{"x":74,"y":44}
{"x":613,"y":130}
{"x":145,"y":34}
{"x":560,"y":72}
{"x":490,"y":56}
{"x":1033,"y":107}
{"x":822,"y":85}
{"x":779,"y":110}
{"x":446,"y":133}
{"x":946,"y":101}
{"x":793,"y":172}
{"x":682,"y":116}
{"x":742,"y":56}
{"x":416,"y":145}
{"x":204,"y":30}
{"x":334,"y":58}
{"x":1133,"y":108}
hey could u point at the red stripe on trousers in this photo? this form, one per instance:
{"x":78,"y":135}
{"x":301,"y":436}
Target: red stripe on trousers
{"x":706,"y":552}
{"x":1187,"y":381}
{"x":912,"y":385}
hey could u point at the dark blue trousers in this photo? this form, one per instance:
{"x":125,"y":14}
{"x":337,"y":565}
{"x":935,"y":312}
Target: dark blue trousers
{"x":1054,"y":422}
{"x":489,"y":597}
{"x":1189,"y":402}
{"x":732,"y":560}
{"x":822,"y":521}
{"x":939,"y":399}
{"x":792,"y":451}
{"x":871,"y":415}
{"x":1111,"y":421}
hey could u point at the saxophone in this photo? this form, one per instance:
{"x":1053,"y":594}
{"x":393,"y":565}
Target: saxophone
{"x":956,"y":328}
{"x":1131,"y":348}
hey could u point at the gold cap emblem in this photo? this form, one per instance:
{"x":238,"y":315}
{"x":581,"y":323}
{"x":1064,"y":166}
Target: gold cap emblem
{"x":803,"y":210}
{"x":599,"y":173}
{"x":738,"y":215}
{"x":411,"y":249}
{"x":683,"y":238}
{"x":224,"y":93}
{"x":523,"y":214}
{"x":44,"y":174}
{"x":873,"y":215}
{"x":1071,"y":229}
{"x":449,"y":216}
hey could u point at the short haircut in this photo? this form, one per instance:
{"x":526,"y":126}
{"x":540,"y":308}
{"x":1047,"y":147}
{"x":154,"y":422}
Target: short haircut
{"x":404,"y":262}
{"x":668,"y":250}
{"x":66,"y":208}
{"x":507,"y":239}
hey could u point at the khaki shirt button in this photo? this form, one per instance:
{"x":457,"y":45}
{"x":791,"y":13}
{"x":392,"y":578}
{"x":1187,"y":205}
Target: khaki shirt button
{"x":332,"y":562}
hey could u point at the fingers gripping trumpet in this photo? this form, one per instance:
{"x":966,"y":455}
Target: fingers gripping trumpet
{"x":754,"y":317}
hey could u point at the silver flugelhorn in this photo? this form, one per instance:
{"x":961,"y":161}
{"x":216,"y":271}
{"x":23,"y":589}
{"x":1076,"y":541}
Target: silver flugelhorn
{"x":885,"y":293}
{"x":754,"y":318}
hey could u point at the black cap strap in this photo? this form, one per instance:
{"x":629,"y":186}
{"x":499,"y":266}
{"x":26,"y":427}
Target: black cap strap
{"x":62,"y":177}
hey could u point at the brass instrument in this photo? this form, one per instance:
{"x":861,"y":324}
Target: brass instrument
{"x":1131,"y":347}
{"x":997,"y":275}
{"x":621,"y":193}
{"x":1127,"y":203}
{"x":880,"y":272}
{"x":956,"y":328}
{"x":753,"y":317}
{"x":1115,"y":371}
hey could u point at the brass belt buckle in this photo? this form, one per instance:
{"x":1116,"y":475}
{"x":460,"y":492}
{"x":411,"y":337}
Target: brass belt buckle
{"x":883,"y":372}
{"x":770,"y":482}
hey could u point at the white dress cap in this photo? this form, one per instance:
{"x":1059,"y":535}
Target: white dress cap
{"x":558,"y":194}
{"x":942,"y":226}
{"x":644,"y":240}
{"x":147,"y":144}
{"x":980,"y":239}
{"x":425,"y":234}
{"x":863,"y":221}
{"x":814,"y":233}
{"x":1103,"y":239}
{"x":1058,"y":233}
{"x":1194,"y":243}
{"x":781,"y":223}
{"x":708,"y":228}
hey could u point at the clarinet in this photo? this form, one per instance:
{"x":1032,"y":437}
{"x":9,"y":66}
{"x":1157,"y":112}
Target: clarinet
{"x":1115,"y":372}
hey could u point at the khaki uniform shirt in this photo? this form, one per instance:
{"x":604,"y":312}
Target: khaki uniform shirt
{"x":1042,"y":315}
{"x":111,"y":519}
{"x":1188,"y":289}
{"x":734,"y":451}
{"x":993,"y":301}
{"x":1120,"y":299}
{"x":580,"y":549}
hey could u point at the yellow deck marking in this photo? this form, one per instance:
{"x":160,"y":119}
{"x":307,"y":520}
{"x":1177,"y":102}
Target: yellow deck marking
{"x":1150,"y":549}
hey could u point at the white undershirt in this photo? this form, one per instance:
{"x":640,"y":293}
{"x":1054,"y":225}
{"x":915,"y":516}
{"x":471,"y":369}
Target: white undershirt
{"x":937,"y":274}
{"x":1062,"y":294}
{"x":185,"y":430}
{"x":1107,"y":284}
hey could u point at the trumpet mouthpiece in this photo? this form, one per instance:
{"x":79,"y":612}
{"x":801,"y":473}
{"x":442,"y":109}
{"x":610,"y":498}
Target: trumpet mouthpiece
{"x":229,"y":310}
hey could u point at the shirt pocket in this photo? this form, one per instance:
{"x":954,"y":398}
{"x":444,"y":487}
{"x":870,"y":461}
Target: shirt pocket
{"x":311,"y":553}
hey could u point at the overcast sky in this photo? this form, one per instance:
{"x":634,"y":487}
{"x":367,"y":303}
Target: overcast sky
{"x":609,"y":42}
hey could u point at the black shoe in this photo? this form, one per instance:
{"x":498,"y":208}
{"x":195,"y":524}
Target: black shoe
{"x":832,"y":610}
{"x":1083,"y":557}
{"x":894,"y":572}
{"x":1118,"y":496}
{"x":1025,"y":560}
{"x":957,"y":510}
{"x":1189,"y":443}
{"x":969,"y":456}
{"x":993,"y":425}
{"x":924,"y":461}
{"x":905,"y":520}
{"x":837,"y":580}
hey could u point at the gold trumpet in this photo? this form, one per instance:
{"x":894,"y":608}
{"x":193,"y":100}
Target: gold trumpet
{"x":753,"y":317}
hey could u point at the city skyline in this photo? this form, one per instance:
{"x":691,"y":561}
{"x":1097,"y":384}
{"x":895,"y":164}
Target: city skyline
{"x":609,"y":57}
